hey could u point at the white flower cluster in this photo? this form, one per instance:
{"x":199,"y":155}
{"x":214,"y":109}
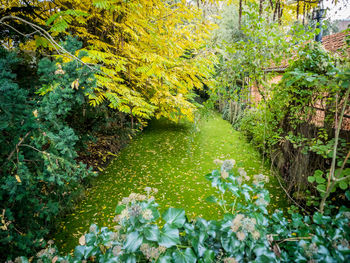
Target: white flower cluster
{"x":259,"y":179}
{"x":124,"y":215}
{"x":226,"y":167}
{"x":133,"y":209}
{"x":261,"y":201}
{"x":93,"y":228}
{"x":310,"y":249}
{"x":243,"y":225}
{"x":230,"y":260}
{"x":228,"y":164}
{"x":224,"y":174}
{"x":218,"y":161}
{"x":243,"y":176}
{"x":150,"y":190}
{"x":133,"y":197}
{"x":147,"y":214}
{"x":117,"y":250}
{"x":152,"y":253}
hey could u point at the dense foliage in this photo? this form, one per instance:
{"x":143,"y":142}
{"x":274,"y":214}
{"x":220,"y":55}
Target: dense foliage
{"x":38,"y":149}
{"x":247,"y":233}
{"x":288,"y":123}
{"x":151,"y":54}
{"x":130,"y":61}
{"x":245,"y":53}
{"x":293,"y":121}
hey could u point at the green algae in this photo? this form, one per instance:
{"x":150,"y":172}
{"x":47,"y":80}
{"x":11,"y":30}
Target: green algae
{"x":174,"y":159}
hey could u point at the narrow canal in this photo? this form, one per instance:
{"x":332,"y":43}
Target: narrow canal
{"x":174,"y":159}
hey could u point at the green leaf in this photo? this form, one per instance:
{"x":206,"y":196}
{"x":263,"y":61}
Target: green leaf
{"x":343,"y":185}
{"x":133,"y":241}
{"x":79,"y":252}
{"x":321,"y":219}
{"x":260,"y":250}
{"x":347,"y":194}
{"x":184,"y":256}
{"x":52,"y":18}
{"x":311,"y":179}
{"x":103,"y":4}
{"x":345,"y":172}
{"x":41,"y":41}
{"x":320,"y":180}
{"x":119,"y":209}
{"x":90,"y":239}
{"x":229,"y":243}
{"x":211,"y":199}
{"x":169,"y":236}
{"x":128,"y":258}
{"x":59,"y":26}
{"x":321,"y":188}
{"x":151,"y":233}
{"x":208,"y":256}
{"x":175,"y":217}
{"x":246,"y":195}
{"x":318,"y":173}
{"x":90,"y":251}
{"x":164,"y":259}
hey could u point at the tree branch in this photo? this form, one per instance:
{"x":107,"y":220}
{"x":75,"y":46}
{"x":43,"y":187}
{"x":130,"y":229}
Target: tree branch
{"x":334,"y":158}
{"x":18,"y":144}
{"x":60,"y":50}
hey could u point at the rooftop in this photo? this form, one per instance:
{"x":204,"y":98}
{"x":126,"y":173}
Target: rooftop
{"x":334,"y":42}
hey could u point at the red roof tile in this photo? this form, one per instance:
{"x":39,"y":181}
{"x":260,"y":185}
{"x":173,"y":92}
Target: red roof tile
{"x":334,"y":42}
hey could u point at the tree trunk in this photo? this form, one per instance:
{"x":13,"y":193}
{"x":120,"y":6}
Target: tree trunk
{"x":280,"y":14}
{"x":240,"y":15}
{"x":275,"y":13}
{"x":304,"y":13}
{"x":260,"y":6}
{"x":297,"y":9}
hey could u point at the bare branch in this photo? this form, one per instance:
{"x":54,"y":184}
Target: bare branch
{"x":19,"y":32}
{"x":278,"y":179}
{"x":294,"y":239}
{"x":18,"y":144}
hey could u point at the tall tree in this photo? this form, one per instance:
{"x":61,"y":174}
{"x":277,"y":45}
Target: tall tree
{"x":150,"y":54}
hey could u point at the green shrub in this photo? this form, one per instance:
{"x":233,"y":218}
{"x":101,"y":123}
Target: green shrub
{"x":260,"y":127}
{"x":38,"y":170}
{"x":288,"y":127}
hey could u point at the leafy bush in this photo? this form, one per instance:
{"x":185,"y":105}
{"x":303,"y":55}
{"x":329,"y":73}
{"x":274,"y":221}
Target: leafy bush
{"x":261,"y":128}
{"x":246,"y":233}
{"x":37,"y":155}
{"x":289,"y":127}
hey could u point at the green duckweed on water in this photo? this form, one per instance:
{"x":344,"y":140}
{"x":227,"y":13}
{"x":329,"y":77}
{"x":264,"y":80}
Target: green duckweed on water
{"x":174,"y":159}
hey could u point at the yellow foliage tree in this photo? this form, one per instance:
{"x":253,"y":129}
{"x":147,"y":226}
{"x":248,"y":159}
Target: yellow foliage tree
{"x":152,"y":53}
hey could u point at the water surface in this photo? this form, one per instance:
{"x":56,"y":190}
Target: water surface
{"x":173,"y":158}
